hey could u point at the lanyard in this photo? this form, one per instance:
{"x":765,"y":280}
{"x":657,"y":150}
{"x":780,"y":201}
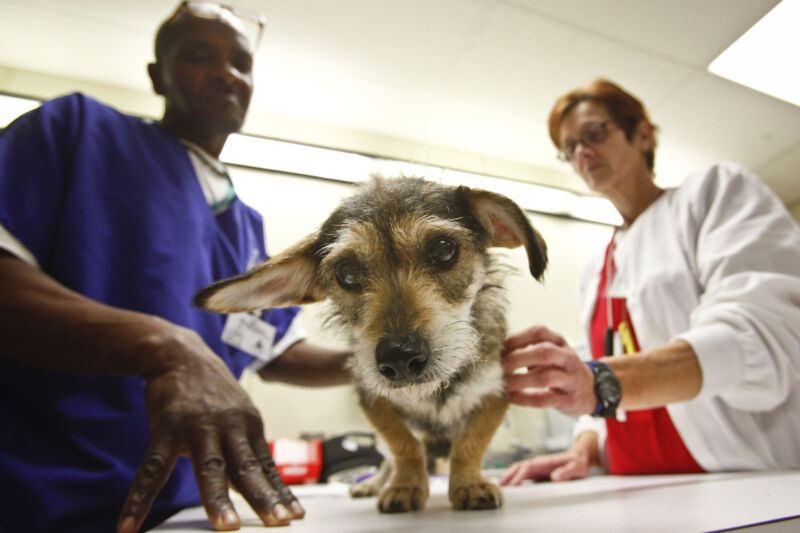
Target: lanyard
{"x":610,"y":270}
{"x":623,"y":328}
{"x":216,"y":203}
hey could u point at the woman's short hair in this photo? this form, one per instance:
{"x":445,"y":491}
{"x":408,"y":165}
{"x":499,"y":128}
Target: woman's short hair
{"x":625,"y":109}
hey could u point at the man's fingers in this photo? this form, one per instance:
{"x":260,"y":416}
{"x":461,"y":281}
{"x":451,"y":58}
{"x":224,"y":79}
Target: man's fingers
{"x":210,"y":471}
{"x":249,"y":478}
{"x":261,"y":450}
{"x":153,"y":472}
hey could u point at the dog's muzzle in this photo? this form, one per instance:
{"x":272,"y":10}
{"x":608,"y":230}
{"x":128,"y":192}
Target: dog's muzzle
{"x":402,"y":358}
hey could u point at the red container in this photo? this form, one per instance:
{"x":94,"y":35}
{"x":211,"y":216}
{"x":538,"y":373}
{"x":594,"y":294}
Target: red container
{"x":298,"y":461}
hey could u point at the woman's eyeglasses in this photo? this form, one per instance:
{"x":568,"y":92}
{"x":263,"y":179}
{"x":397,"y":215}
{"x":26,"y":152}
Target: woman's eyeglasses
{"x":252,"y":21}
{"x":593,"y":134}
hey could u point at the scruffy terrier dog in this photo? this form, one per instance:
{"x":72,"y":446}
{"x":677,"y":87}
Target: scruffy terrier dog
{"x":406,"y":265}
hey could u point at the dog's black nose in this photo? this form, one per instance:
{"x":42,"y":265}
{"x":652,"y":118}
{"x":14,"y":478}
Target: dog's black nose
{"x":402,"y":357}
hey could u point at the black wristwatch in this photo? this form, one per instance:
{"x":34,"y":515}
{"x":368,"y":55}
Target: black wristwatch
{"x":606,"y":388}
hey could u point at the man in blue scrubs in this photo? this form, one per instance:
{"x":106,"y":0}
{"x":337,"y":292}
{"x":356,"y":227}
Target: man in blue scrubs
{"x":119,"y":401}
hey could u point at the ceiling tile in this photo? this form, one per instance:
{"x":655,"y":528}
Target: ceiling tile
{"x":686,"y":31}
{"x":473,"y":76}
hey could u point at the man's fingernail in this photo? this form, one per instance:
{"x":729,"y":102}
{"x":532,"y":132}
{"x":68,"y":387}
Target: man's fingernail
{"x":297,"y":509}
{"x":281,"y":512}
{"x":229,"y":517}
{"x":127,"y":525}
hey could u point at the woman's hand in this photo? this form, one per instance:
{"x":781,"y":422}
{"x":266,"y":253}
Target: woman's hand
{"x":562,"y":380}
{"x":572,"y":464}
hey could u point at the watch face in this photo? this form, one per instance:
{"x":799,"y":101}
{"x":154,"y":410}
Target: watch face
{"x":607,"y":389}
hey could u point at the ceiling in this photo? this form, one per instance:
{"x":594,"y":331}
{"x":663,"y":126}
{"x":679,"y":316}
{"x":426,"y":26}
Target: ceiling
{"x":471,"y":76}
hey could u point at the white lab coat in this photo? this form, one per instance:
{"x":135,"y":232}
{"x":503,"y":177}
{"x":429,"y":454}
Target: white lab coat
{"x":716,"y":262}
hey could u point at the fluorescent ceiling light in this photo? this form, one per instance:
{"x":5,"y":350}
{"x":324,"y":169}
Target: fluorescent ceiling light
{"x":293,"y":158}
{"x":762,"y":58}
{"x":13,"y":106}
{"x":349,"y":167}
{"x":526,"y":195}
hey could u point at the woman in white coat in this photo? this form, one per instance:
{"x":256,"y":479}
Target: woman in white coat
{"x":692,"y":313}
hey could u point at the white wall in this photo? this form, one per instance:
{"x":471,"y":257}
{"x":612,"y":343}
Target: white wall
{"x":294,"y":206}
{"x":794,"y":209}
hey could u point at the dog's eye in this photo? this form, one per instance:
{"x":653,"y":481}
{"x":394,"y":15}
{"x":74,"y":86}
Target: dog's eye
{"x":443,"y":251}
{"x":348,"y":275}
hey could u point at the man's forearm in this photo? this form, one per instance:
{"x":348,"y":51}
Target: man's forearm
{"x":49,"y":326}
{"x":309,"y":366}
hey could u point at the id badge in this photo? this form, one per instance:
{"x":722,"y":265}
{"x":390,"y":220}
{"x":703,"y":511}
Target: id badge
{"x":247,"y":332}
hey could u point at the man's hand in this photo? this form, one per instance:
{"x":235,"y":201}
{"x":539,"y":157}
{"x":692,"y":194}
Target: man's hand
{"x":198,"y":409}
{"x":562,"y":380}
{"x":194,"y":405}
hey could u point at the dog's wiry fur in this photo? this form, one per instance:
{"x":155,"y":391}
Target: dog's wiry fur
{"x":405,"y":263}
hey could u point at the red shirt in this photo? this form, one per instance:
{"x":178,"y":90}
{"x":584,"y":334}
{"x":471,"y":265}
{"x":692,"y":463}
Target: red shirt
{"x":647,"y":441}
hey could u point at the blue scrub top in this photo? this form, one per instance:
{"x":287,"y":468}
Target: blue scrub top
{"x":111,"y":207}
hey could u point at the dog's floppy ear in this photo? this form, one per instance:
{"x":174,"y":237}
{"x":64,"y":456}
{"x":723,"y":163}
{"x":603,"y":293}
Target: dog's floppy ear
{"x":507,"y":226}
{"x":286,"y":279}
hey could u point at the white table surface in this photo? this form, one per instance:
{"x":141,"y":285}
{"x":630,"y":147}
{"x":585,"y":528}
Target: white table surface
{"x":696,"y":502}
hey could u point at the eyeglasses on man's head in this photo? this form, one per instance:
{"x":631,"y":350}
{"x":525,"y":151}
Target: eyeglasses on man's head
{"x":252,"y":22}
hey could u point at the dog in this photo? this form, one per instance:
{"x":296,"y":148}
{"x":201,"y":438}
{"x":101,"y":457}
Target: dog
{"x":407,"y":267}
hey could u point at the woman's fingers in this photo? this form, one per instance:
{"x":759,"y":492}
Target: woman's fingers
{"x":536,"y":355}
{"x":533,"y":335}
{"x":570,"y":470}
{"x":540,"y":467}
{"x":547,"y":377}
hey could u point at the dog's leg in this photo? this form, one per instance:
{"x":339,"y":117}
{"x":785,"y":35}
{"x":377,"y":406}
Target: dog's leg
{"x":373,"y":485}
{"x":408,"y":490}
{"x":468,"y":488}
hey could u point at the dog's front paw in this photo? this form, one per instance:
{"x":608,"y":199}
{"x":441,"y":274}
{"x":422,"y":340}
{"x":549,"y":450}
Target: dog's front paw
{"x":365,"y":489}
{"x":476,"y":496}
{"x":402,"y":499}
